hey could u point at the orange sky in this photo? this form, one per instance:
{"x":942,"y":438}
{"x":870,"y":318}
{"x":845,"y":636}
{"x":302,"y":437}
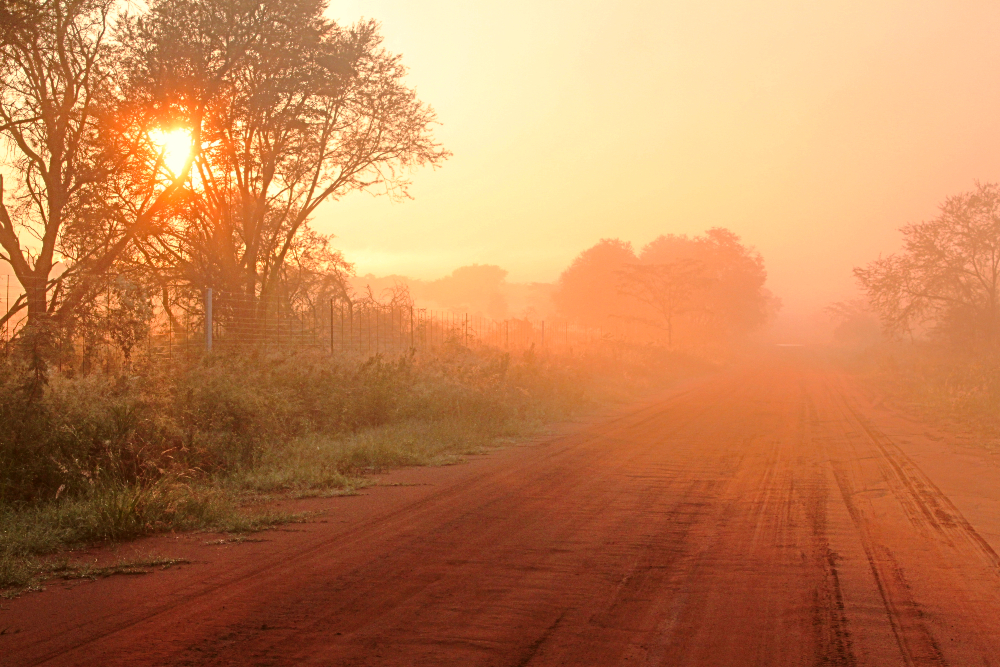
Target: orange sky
{"x":813,"y":130}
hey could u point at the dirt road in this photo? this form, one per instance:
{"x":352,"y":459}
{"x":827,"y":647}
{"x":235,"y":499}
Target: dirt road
{"x":767,"y":516}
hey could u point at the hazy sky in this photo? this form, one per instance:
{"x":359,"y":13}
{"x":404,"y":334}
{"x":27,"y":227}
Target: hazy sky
{"x":813,"y":130}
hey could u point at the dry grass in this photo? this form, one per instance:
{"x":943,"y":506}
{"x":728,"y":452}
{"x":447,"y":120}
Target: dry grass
{"x":105,"y":459}
{"x":942,"y":383}
{"x":35,"y":573}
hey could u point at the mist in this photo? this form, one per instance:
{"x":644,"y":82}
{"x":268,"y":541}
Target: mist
{"x":812,"y":132}
{"x":451,"y":333}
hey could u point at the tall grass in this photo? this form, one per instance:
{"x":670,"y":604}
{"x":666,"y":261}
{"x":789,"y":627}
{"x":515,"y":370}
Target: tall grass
{"x":170,"y":446}
{"x":940,"y":381}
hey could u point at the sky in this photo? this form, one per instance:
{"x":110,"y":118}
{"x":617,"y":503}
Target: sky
{"x":812,"y":130}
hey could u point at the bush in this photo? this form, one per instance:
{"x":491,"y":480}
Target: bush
{"x":938,"y":380}
{"x":224,"y":413}
{"x":106,"y":457}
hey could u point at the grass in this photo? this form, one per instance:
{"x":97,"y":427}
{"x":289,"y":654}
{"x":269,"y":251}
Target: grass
{"x":106,"y":458}
{"x":31,"y":532}
{"x":943,"y":383}
{"x":33,"y":573}
{"x":318,"y":462}
{"x":68,"y":570}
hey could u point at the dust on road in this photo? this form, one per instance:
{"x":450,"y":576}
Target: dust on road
{"x":765,"y":516}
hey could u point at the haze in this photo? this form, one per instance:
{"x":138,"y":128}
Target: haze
{"x":811,"y":130}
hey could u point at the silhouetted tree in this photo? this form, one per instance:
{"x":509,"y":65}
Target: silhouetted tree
{"x":855,"y":323}
{"x":83,"y":190}
{"x":730,"y":299}
{"x":669,"y":289}
{"x":709,"y":288}
{"x":947,"y":277}
{"x":16,"y":19}
{"x":588,"y":290}
{"x":477,"y":288}
{"x":292,"y":110}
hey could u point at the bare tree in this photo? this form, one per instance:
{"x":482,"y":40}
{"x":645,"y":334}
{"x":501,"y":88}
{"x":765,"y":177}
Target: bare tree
{"x":947,"y":276}
{"x":85,"y":188}
{"x":669,"y":289}
{"x":296,"y":111}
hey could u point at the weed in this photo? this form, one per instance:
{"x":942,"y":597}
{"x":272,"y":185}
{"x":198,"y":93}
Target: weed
{"x":101,"y":457}
{"x":937,"y":381}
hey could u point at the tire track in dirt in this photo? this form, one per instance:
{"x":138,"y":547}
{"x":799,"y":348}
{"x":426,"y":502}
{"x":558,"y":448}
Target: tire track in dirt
{"x":547,"y":467}
{"x":884,"y":490}
{"x":763,"y":516}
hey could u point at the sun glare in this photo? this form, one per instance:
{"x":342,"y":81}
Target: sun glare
{"x":175,"y":146}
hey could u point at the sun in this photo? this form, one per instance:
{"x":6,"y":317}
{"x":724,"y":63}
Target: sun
{"x":175,"y":145}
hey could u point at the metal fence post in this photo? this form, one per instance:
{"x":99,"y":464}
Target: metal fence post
{"x":208,"y":319}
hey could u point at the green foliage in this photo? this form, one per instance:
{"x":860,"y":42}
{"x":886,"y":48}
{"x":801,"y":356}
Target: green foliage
{"x":129,"y":317}
{"x":106,"y":457}
{"x":107,"y":511}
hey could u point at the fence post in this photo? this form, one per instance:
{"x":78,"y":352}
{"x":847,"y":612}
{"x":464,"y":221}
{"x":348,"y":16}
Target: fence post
{"x":170,"y":323}
{"x":208,"y":319}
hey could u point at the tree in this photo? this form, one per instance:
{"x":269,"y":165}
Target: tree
{"x":476,"y":288}
{"x":85,"y":188}
{"x":947,"y":277}
{"x":293,"y":110}
{"x":128,"y":317}
{"x":16,"y":18}
{"x":855,"y":323}
{"x":669,"y":289}
{"x":588,"y":290}
{"x":704,"y":289}
{"x":713,"y":280}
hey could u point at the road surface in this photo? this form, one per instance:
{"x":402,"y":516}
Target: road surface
{"x":774,"y":514}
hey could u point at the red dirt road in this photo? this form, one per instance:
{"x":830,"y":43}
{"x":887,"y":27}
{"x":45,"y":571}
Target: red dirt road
{"x":767,"y":516}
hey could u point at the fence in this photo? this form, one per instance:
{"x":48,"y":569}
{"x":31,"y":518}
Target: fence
{"x":177,"y":318}
{"x":364,"y":328}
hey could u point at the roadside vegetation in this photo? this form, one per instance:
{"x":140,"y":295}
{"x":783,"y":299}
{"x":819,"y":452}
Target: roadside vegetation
{"x":955,"y":388}
{"x":161,"y":166}
{"x":929,"y":332}
{"x":177,"y":447}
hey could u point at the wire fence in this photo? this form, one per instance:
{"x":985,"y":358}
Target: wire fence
{"x":182,"y":322}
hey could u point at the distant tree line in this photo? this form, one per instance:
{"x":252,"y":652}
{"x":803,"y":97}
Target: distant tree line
{"x":687,"y":291}
{"x":945,"y":282}
{"x":283,"y":109}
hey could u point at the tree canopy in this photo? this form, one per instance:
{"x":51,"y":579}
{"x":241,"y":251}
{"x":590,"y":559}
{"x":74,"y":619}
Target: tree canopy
{"x":587,"y":291}
{"x":946,"y":279}
{"x":696,"y":290}
{"x":280,"y":110}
